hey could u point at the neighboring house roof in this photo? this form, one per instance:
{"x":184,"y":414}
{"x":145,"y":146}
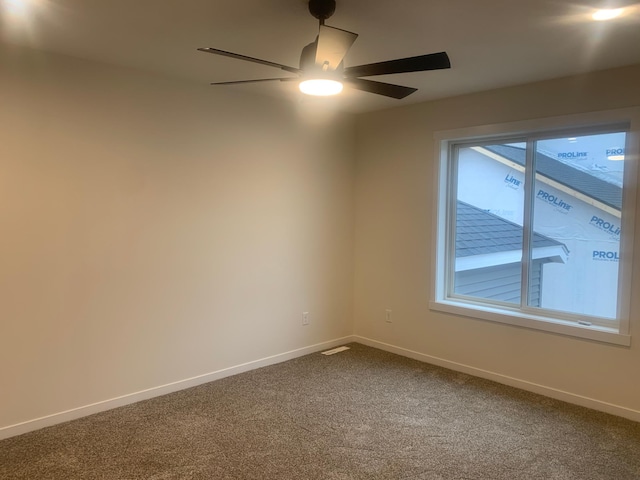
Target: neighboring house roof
{"x":578,"y":180}
{"x":481,"y":233}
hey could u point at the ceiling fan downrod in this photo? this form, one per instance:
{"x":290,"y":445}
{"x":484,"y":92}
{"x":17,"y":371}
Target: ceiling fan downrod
{"x":322,"y":9}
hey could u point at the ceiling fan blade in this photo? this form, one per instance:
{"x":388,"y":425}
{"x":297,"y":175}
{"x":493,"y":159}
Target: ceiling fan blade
{"x":386,"y":89}
{"x":215,"y":51}
{"x":237,"y":82}
{"x":333,"y":45}
{"x":421,"y":63}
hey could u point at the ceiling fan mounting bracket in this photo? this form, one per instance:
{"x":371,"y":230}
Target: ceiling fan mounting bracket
{"x":322,"y":9}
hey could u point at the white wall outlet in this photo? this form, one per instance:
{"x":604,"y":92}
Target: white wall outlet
{"x":305,"y":318}
{"x":387,"y":316}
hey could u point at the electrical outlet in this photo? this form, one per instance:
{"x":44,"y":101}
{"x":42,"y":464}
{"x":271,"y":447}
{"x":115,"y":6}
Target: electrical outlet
{"x":387,"y":316}
{"x":305,"y":318}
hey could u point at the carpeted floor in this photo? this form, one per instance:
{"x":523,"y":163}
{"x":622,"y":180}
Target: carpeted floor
{"x":359,"y":414}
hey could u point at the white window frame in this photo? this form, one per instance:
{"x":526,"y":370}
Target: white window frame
{"x":564,"y":324}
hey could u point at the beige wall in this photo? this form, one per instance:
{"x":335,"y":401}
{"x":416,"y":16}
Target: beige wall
{"x":153,"y":230}
{"x":394,"y":239}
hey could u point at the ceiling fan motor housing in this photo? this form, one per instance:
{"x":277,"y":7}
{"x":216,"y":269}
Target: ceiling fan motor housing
{"x":308,"y":57}
{"x":322,"y":9}
{"x":309,"y":66}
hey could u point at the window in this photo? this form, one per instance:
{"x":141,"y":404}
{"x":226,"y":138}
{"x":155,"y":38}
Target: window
{"x":534,"y":227}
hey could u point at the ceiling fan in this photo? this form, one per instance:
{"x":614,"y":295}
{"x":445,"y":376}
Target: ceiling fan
{"x":322,"y":70}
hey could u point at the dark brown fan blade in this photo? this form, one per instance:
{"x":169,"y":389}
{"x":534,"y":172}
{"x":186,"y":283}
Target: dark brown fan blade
{"x":236,"y":82}
{"x":421,"y":63}
{"x":386,"y":89}
{"x":215,"y":51}
{"x":333,"y":45}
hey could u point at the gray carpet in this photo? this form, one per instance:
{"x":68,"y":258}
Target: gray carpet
{"x":360,"y":414}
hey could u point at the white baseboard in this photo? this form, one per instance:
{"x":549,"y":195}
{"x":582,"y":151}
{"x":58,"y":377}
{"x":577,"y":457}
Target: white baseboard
{"x":61,"y":417}
{"x":505,"y":380}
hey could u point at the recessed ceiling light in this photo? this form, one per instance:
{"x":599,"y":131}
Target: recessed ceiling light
{"x":607,"y":13}
{"x":321,"y":87}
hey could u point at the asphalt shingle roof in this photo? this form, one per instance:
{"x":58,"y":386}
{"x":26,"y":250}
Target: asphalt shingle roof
{"x":480,"y":232}
{"x":591,"y":186}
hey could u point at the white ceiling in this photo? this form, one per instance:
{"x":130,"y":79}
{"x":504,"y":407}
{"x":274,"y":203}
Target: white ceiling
{"x":491,"y":43}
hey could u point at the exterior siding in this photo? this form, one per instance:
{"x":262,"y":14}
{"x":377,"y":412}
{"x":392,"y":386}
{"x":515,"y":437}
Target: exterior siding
{"x":499,"y":282}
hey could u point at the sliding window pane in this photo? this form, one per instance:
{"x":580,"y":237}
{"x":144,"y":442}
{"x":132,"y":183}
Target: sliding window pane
{"x":576,"y":216}
{"x":488,"y":227}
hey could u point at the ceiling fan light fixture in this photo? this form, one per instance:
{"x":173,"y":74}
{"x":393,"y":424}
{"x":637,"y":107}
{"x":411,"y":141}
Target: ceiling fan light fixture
{"x":607,"y":14}
{"x":16,"y":7}
{"x":321,"y":87}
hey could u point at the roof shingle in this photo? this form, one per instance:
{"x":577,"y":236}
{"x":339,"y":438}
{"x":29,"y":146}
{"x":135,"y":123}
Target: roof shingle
{"x":480,"y":232}
{"x":578,"y":180}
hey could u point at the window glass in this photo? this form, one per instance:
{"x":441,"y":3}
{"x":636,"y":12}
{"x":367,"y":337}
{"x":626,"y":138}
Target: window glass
{"x":578,"y":203}
{"x":534,"y":223}
{"x":488,"y":226}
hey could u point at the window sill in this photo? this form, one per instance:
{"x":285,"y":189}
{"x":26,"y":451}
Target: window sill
{"x":595,"y":333}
